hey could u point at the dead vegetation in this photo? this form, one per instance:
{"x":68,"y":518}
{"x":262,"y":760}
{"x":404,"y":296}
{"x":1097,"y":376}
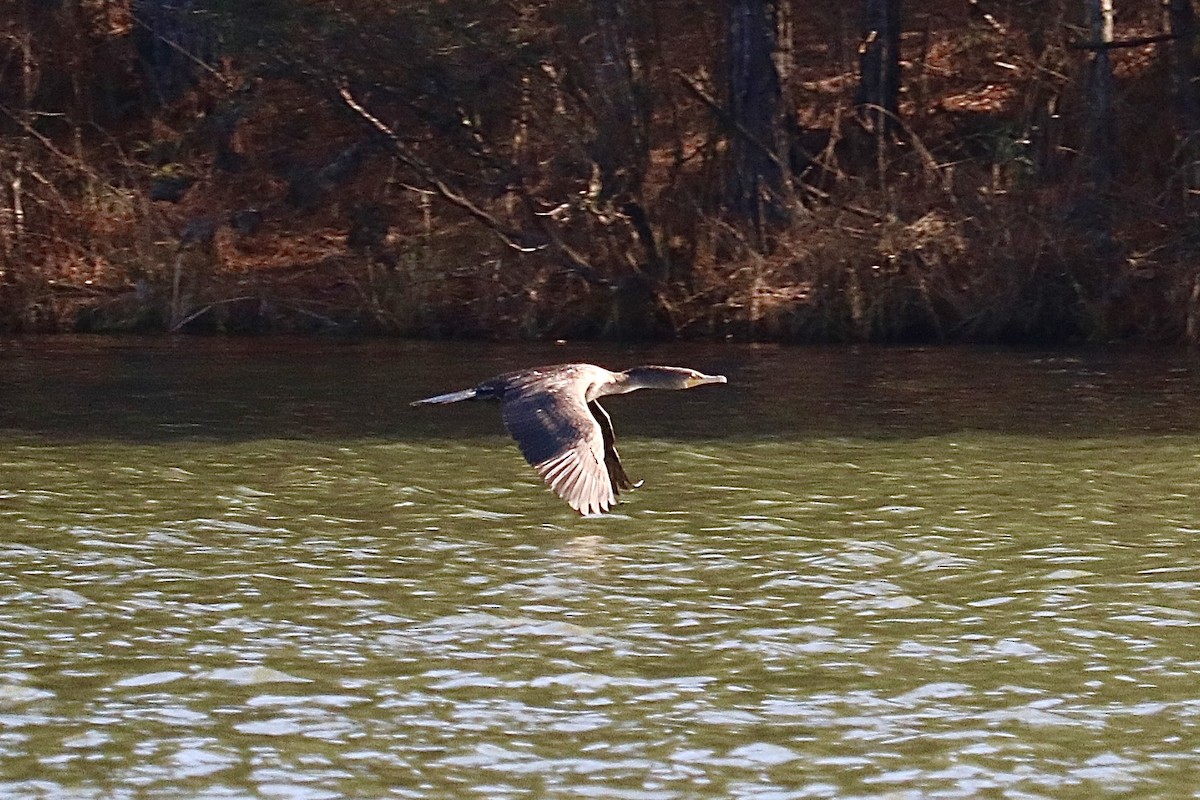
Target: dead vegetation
{"x":465,"y":196}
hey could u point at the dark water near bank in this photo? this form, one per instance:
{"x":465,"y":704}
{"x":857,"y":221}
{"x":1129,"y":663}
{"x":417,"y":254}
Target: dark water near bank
{"x":248,"y":568}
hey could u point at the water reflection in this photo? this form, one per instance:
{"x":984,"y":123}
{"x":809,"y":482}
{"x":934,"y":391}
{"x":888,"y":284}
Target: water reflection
{"x":941,"y":610}
{"x":278,"y":388}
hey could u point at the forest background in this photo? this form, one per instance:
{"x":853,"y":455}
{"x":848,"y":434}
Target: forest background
{"x":953,"y":170}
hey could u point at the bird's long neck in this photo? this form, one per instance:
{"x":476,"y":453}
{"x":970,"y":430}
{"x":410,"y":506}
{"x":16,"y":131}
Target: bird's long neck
{"x":617,"y":383}
{"x":638,"y":378}
{"x":624,"y":382}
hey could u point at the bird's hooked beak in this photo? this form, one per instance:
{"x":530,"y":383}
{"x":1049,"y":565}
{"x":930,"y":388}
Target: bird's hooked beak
{"x":700,"y":379}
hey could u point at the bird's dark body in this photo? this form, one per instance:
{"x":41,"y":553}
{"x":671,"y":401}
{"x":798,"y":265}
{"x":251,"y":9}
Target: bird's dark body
{"x":553,"y":414}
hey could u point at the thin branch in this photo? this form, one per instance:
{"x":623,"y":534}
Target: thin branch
{"x":205,"y":309}
{"x":987,"y":17}
{"x":512,"y":238}
{"x":49,"y":145}
{"x":183,"y":51}
{"x":426,"y":173}
{"x":727,"y":119}
{"x":1137,"y":41}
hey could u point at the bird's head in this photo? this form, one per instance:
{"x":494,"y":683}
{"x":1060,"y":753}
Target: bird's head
{"x":699,"y":379}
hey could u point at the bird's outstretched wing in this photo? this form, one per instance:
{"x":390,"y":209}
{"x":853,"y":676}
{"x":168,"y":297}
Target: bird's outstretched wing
{"x":560,"y":437}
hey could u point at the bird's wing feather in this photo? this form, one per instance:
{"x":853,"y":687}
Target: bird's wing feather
{"x":612,"y":461}
{"x":449,"y":397}
{"x":564,"y":443}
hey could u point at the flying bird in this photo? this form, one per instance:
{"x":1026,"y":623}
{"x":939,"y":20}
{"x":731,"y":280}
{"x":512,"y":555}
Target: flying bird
{"x":554,"y":414}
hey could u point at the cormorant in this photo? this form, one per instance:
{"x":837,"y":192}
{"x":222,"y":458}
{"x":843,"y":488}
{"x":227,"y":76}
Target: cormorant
{"x":561,"y":429}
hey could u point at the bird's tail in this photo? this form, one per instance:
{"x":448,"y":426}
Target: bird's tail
{"x":451,"y":397}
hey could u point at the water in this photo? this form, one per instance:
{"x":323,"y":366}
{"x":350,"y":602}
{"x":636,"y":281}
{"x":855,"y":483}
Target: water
{"x":248,"y":569}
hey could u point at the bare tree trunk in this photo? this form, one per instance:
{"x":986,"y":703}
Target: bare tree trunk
{"x":173,"y":43}
{"x":620,"y":149}
{"x":878,"y":97}
{"x":621,"y":152}
{"x":1099,"y":148}
{"x":1099,"y":145}
{"x":1044,"y":96}
{"x":756,"y":182}
{"x":1181,"y":23}
{"x":13,"y":215}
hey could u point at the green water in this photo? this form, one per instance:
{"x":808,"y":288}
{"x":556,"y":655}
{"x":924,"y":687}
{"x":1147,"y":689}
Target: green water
{"x":248,"y":569}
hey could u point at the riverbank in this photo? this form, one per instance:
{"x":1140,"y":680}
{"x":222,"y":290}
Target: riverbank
{"x":943,"y":280}
{"x":297,"y":184}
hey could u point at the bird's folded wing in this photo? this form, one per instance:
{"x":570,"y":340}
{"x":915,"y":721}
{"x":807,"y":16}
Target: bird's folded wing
{"x":559,"y":436}
{"x":612,"y":461}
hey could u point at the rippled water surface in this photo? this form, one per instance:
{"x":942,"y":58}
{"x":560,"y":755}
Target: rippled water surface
{"x":247,"y":568}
